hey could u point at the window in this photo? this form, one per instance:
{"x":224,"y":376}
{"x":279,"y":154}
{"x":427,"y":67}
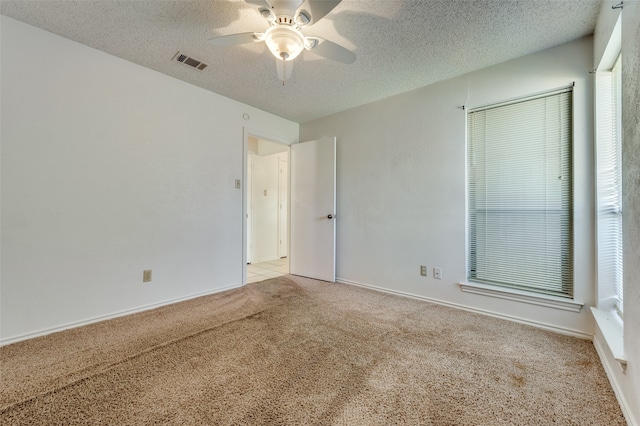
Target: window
{"x":520,"y":195}
{"x":609,"y":210}
{"x":609,"y":188}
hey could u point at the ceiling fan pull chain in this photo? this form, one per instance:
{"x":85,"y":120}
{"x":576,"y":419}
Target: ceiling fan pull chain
{"x":284,"y":56}
{"x":284,"y":72}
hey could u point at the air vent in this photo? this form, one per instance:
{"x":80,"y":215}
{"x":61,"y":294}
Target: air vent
{"x":190,"y":62}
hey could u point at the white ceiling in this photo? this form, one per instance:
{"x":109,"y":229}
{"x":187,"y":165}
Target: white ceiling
{"x":400,"y":44}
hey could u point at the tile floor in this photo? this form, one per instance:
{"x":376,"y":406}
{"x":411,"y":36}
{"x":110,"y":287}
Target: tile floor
{"x":265,"y":270}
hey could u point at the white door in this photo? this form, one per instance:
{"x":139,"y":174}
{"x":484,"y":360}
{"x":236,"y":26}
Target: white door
{"x":313,"y":209}
{"x":264,"y":202}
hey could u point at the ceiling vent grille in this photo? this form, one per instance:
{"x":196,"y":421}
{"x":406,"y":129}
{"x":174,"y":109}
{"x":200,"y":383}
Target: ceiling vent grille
{"x":190,"y":62}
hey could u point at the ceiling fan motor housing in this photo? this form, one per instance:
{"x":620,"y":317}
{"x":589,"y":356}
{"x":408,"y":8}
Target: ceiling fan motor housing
{"x":285,"y":42}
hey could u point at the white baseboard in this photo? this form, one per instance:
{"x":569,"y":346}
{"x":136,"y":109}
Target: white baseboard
{"x":266,"y":259}
{"x":538,"y":324}
{"x":611,"y":366}
{"x":67,"y":326}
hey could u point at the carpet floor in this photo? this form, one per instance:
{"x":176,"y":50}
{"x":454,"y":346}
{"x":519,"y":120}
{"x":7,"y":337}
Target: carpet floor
{"x":292,"y":350}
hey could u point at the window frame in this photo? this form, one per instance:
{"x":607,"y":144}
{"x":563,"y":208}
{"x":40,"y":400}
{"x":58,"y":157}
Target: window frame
{"x":608,"y":173}
{"x":522,"y":293}
{"x":608,"y":319}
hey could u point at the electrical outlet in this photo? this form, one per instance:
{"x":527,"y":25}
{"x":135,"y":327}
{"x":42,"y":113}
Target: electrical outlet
{"x":437,"y":273}
{"x":146,"y":275}
{"x":423,"y":270}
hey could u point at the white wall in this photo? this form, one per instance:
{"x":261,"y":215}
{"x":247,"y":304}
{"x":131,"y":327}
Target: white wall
{"x":108,"y":169}
{"x":401,"y":183}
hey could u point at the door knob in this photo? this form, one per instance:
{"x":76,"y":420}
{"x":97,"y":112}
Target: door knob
{"x":330,"y":216}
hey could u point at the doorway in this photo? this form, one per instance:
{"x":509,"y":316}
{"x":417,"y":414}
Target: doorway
{"x":267,"y":209}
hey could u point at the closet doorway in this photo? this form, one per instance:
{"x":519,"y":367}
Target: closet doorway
{"x":267,"y":209}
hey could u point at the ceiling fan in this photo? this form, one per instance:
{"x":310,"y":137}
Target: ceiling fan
{"x":284,"y":37}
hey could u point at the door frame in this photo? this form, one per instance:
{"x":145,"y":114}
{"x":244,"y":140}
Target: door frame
{"x":281,"y":211}
{"x":246,"y":133}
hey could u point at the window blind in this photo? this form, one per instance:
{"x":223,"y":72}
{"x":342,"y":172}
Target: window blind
{"x":609,"y":188}
{"x":520,"y":194}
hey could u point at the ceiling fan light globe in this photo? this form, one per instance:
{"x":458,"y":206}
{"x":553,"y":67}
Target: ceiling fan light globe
{"x":265,"y":12}
{"x":303,"y":18}
{"x":310,"y":43}
{"x":284,"y":40}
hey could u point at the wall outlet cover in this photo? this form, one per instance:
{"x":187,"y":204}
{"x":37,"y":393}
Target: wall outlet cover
{"x":437,"y":273}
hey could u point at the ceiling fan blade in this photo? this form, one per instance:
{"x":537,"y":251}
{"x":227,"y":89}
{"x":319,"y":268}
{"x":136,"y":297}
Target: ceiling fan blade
{"x":259,"y":3}
{"x":318,"y":9}
{"x":235,"y":39}
{"x":284,"y":69}
{"x":330,"y":50}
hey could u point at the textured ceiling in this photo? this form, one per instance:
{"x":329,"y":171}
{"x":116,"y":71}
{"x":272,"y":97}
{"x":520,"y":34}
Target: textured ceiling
{"x":400,"y":44}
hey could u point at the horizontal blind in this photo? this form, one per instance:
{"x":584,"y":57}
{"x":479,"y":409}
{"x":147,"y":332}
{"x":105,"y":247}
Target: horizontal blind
{"x":609,"y":188}
{"x":520,"y":195}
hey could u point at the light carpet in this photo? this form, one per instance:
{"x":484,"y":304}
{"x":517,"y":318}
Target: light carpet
{"x":292,"y":350}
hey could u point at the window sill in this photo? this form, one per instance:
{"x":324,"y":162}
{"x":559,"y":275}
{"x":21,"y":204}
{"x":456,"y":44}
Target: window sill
{"x":612,"y":330}
{"x":522,"y":296}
